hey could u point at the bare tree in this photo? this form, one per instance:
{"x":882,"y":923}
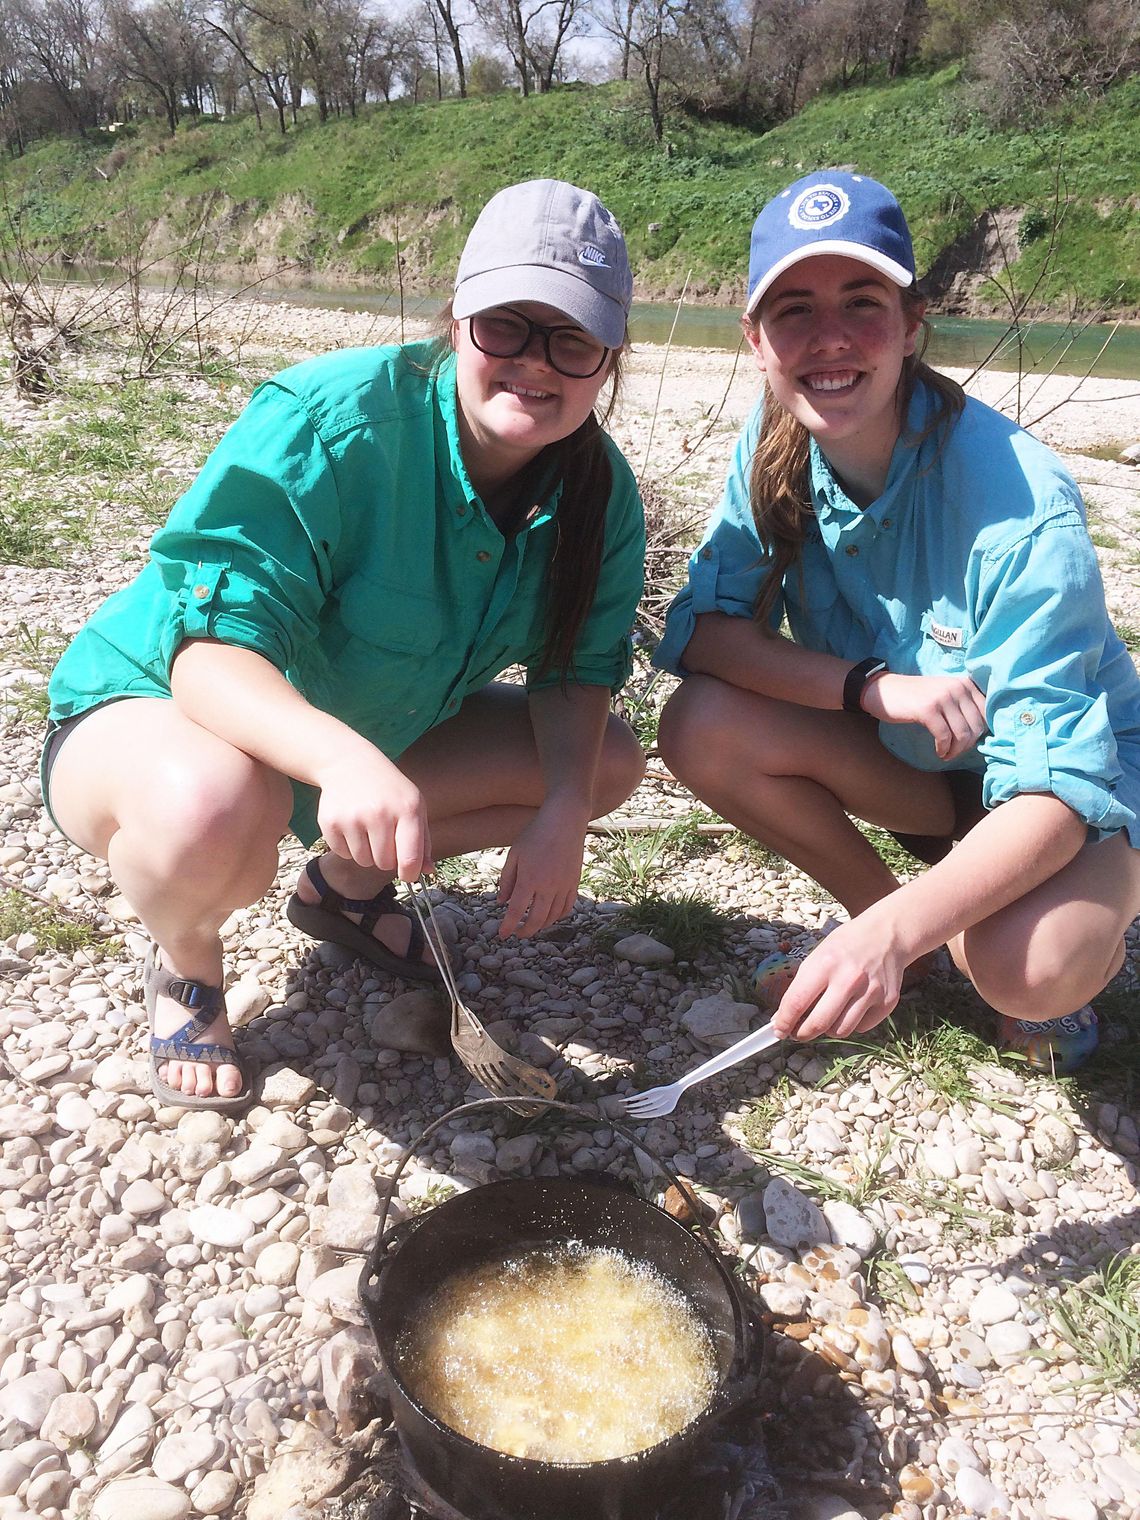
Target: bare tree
{"x":1034,"y":55}
{"x":62,"y":41}
{"x":13,"y":84}
{"x":263,"y":48}
{"x":449,"y":17}
{"x":532,"y":32}
{"x":161,"y":47}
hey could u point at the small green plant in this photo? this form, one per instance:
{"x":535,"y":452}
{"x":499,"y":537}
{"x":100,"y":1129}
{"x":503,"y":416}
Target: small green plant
{"x":756,"y":1124}
{"x":632,"y":863}
{"x":34,"y":649}
{"x":1034,"y":225}
{"x":891,"y":1285}
{"x":52,"y":929}
{"x":689,"y":925}
{"x":435,"y":1193}
{"x":1100,"y":1320}
{"x":447,"y":874}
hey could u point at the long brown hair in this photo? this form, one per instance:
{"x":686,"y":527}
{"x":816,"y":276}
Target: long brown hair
{"x":779,"y":485}
{"x":582,"y":466}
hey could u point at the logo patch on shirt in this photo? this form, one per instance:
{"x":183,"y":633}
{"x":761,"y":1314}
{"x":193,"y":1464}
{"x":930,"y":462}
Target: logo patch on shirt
{"x":818,"y":206}
{"x":949,"y":638}
{"x":590,"y":253}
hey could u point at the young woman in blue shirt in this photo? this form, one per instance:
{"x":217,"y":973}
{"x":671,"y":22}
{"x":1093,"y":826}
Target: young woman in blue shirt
{"x":951,"y":672}
{"x":314,"y":641}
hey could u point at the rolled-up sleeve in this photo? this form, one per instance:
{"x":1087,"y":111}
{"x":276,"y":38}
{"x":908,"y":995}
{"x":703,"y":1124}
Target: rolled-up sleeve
{"x":246,"y":552}
{"x":1038,"y":646}
{"x":728,"y":565}
{"x":603,"y":652}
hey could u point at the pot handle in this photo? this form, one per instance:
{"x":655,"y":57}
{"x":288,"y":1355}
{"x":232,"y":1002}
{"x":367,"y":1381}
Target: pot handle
{"x":386,"y":1236}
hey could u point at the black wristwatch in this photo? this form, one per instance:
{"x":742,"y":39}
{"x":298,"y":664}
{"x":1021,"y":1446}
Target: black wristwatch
{"x":856,"y":682}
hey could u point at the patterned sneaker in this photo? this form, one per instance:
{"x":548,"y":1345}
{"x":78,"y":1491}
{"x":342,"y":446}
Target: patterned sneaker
{"x":772,"y":978}
{"x":1058,"y":1046}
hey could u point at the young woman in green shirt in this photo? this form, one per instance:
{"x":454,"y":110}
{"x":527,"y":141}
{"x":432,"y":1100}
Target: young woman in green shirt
{"x":314,"y":641}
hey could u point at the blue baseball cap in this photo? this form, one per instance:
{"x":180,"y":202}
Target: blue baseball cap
{"x":829,"y":212}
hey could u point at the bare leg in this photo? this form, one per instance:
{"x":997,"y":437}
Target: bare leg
{"x":789,"y":776}
{"x":1054,"y":949}
{"x":480,"y":775}
{"x":189,"y":826}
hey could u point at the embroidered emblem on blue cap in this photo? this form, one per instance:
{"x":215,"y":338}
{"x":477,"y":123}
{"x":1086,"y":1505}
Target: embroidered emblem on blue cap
{"x":818,"y":206}
{"x":590,"y":253}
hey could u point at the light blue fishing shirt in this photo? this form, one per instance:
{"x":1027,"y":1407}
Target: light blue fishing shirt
{"x":975,"y":560}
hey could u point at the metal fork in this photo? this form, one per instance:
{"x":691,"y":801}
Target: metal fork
{"x":656,"y":1102}
{"x":502,"y":1074}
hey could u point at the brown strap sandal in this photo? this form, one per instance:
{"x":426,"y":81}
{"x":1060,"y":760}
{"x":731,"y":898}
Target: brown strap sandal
{"x":326,"y":921}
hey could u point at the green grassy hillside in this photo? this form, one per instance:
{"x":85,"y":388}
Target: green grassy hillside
{"x":339,"y":197}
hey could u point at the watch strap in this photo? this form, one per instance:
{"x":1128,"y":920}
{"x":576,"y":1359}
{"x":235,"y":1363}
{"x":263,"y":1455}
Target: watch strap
{"x":855,"y":682}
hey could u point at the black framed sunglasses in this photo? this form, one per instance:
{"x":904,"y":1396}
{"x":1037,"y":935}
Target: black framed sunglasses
{"x":503,"y":333}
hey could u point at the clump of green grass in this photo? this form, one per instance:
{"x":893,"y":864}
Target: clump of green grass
{"x":890,"y":1284}
{"x":1103,"y":539}
{"x":52,"y":928}
{"x":630,"y":864}
{"x":35,"y":649}
{"x":937,"y":1040}
{"x":1100,"y":1320}
{"x":764,"y":1113}
{"x":689,"y":925}
{"x":436,"y":1193}
{"x":876,"y":1174}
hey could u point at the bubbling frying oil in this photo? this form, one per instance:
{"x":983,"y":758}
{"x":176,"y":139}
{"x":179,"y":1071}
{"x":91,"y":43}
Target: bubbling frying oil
{"x":562,"y":1355}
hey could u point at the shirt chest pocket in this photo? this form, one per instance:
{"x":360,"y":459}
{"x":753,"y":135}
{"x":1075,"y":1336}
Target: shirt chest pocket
{"x":944,"y":642}
{"x":386,"y":617}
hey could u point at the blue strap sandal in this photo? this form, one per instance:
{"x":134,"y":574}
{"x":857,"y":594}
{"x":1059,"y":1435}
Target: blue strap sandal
{"x":183,"y":1045}
{"x":325,"y":920}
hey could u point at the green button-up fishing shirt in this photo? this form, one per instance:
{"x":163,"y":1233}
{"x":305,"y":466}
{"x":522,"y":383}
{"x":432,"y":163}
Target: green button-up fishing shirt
{"x":335,"y":531}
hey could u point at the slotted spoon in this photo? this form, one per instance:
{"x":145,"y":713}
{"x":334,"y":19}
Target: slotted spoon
{"x":502,"y":1074}
{"x":656,"y":1102}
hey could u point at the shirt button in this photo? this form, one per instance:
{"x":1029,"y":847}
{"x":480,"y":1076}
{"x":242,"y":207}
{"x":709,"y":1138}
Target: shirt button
{"x":706,"y":554}
{"x":1027,"y":718}
{"x":483,"y":556}
{"x":852,"y":548}
{"x":886,"y":522}
{"x":451,"y":706}
{"x":461,"y":511}
{"x":201,"y":591}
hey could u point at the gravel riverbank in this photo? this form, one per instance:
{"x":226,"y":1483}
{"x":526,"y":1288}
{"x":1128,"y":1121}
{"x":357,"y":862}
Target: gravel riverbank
{"x":180,"y":1333}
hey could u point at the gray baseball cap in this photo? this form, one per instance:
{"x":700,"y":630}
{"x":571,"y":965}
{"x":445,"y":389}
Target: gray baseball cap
{"x":548,"y":241}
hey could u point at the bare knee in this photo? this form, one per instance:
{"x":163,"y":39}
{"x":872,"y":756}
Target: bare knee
{"x":220,"y":821}
{"x":1036,"y":978}
{"x":620,"y":768}
{"x":696,"y":730}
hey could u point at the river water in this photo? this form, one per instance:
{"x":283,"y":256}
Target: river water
{"x":1112,"y":352}
{"x":1102,"y":349}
